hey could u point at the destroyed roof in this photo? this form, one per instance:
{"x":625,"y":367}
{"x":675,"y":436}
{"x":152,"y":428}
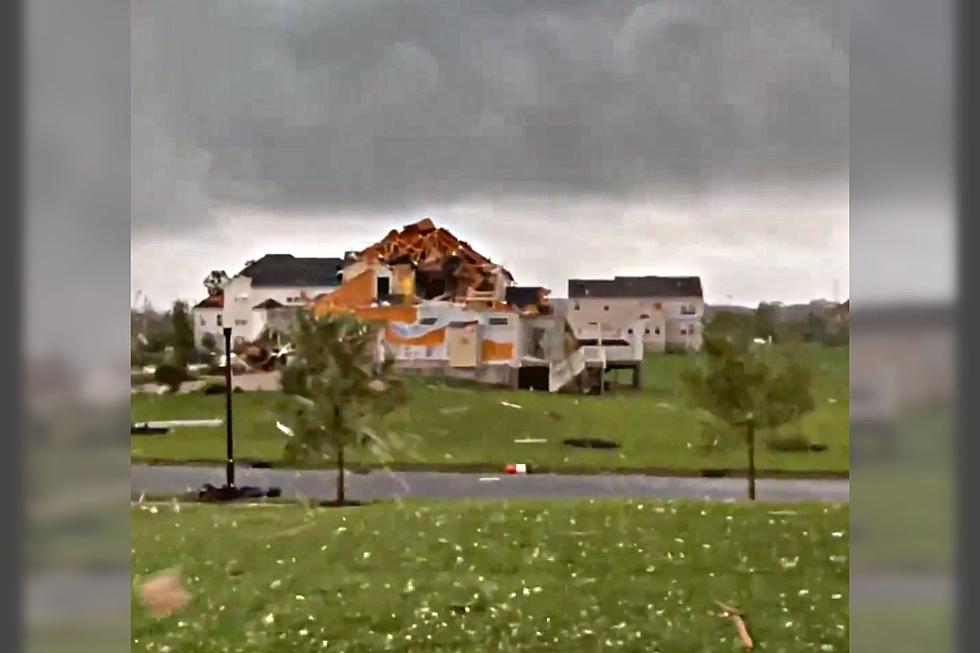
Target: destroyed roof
{"x":521,"y":296}
{"x":269,"y":304}
{"x":217,"y":300}
{"x":636,"y":287}
{"x":286,"y":270}
{"x":423,"y":243}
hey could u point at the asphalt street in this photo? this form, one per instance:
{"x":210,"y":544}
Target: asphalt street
{"x":383,"y":484}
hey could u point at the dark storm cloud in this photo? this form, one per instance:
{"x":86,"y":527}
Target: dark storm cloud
{"x":381,"y":106}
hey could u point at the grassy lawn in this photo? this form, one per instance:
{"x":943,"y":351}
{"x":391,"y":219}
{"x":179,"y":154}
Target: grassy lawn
{"x":453,"y":426}
{"x":482,"y":576}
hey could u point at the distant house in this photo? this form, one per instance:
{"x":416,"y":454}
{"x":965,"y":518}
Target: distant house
{"x":669,"y":310}
{"x":266,"y":293}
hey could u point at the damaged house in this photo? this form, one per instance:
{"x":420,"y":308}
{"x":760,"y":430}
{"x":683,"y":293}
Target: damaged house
{"x":448,"y":310}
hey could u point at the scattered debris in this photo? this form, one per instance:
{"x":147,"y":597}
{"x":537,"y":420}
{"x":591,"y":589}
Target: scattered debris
{"x":212,"y":494}
{"x":530,"y":441}
{"x":377,"y":385}
{"x":510,"y":405}
{"x":519,"y":468}
{"x":489,"y":479}
{"x":143,"y":429}
{"x":665,"y":405}
{"x":591,"y":443}
{"x":781,"y":513}
{"x":284,"y":429}
{"x":730,"y":612}
{"x":177,"y":423}
{"x":164,"y":594}
{"x":831,"y":400}
{"x":454,"y":410}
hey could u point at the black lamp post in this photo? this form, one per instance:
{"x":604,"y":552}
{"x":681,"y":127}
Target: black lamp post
{"x":230,"y":465}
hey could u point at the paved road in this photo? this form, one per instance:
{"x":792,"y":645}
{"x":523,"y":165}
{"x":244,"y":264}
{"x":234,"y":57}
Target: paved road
{"x":319,"y":484}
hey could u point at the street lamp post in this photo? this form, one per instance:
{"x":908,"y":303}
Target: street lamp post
{"x":230,"y":465}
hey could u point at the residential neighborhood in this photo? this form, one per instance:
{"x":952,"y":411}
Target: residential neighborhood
{"x":486,"y":326}
{"x":450,"y":311}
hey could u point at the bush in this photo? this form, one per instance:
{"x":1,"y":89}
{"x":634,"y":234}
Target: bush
{"x":171,"y":376}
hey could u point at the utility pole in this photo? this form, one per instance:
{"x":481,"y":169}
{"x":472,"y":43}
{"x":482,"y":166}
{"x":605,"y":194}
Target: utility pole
{"x":230,"y":465}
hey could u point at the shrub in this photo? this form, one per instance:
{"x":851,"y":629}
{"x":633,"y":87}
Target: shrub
{"x":171,"y":376}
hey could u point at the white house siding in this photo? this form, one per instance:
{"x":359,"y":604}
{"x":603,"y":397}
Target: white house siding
{"x":207,"y":320}
{"x":666,"y":318}
{"x":241,"y":298}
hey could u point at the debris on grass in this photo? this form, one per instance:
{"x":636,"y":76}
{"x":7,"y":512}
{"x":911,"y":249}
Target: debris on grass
{"x":163,"y":595}
{"x":284,"y":429}
{"x":733,"y":613}
{"x":510,"y":405}
{"x":454,"y":410}
{"x":530,"y":440}
{"x":489,"y":479}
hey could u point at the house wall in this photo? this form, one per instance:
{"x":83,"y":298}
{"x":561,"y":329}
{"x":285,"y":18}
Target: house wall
{"x":241,"y":297}
{"x":668,"y":315}
{"x":207,"y":320}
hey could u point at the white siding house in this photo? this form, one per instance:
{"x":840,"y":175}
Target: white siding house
{"x":263,"y":293}
{"x":668,"y":310}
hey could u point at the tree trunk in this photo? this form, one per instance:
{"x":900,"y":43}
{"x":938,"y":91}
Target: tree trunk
{"x":340,"y":474}
{"x":750,"y":427}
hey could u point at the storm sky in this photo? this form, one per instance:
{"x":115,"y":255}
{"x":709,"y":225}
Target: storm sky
{"x":560,"y":138}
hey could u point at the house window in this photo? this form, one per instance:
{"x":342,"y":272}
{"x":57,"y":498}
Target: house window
{"x":499,"y":321}
{"x":428,"y":321}
{"x":202,"y":320}
{"x":644,"y":317}
{"x":219,"y":319}
{"x":683,"y":332}
{"x":656,"y":331}
{"x":577,"y":307}
{"x":687,"y":309}
{"x":629,"y":331}
{"x":646,"y":332}
{"x":658,"y":305}
{"x":605,"y":308}
{"x":241,"y":322}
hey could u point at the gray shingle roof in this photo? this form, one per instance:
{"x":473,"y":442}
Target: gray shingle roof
{"x":636,"y":287}
{"x":286,"y":270}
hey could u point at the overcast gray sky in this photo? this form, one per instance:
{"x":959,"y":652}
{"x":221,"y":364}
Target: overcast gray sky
{"x":560,"y":138}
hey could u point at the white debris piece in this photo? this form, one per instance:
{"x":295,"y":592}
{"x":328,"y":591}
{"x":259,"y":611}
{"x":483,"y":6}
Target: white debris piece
{"x":284,"y":429}
{"x":510,"y":405}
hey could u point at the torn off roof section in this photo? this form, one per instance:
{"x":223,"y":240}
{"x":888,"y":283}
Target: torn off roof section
{"x":286,"y":270}
{"x":650,"y":286}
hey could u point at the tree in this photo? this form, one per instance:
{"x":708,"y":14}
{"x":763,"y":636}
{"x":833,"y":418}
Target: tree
{"x":816,"y":328}
{"x":209,"y":343}
{"x":183,"y":333}
{"x":765,"y":321}
{"x":337,"y":386}
{"x":745,"y":385}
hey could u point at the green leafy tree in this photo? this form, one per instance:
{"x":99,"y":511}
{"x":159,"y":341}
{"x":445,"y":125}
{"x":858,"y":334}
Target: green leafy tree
{"x":209,"y":342}
{"x":337,"y":387}
{"x":746,"y":386}
{"x":765,"y":321}
{"x":183,"y":333}
{"x":816,"y":328}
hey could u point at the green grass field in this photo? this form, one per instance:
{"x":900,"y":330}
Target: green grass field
{"x":447,"y":426}
{"x":495,"y":576}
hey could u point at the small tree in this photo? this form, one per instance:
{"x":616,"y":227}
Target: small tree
{"x":745,"y":386}
{"x":209,"y":342}
{"x":338,"y":386}
{"x":183,"y":333}
{"x":765,"y":321}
